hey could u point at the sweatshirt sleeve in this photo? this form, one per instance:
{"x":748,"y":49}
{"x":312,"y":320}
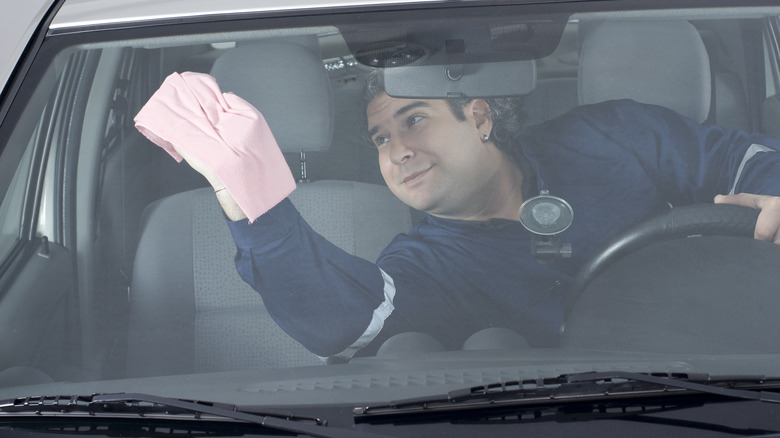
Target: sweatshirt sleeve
{"x":692,"y":162}
{"x":330,"y":301}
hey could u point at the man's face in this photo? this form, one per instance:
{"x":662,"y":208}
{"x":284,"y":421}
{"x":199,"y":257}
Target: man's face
{"x":430,"y":159}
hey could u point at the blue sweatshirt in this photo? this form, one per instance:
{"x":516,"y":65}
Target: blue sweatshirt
{"x":615,"y":163}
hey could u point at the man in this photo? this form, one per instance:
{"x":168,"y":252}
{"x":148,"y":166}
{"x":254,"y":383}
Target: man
{"x":468,"y":266}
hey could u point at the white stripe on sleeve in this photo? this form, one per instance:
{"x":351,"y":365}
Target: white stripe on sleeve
{"x":381,"y":313}
{"x":750,"y":153}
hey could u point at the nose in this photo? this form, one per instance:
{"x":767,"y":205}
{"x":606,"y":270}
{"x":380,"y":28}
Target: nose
{"x":400,"y":151}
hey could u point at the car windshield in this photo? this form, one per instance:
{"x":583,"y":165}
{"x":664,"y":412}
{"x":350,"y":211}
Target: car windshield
{"x":362,"y":204}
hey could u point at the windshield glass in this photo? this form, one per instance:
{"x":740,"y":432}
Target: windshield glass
{"x":372,"y":205}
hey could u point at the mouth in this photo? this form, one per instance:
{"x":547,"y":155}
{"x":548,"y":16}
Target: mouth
{"x":416,"y":176}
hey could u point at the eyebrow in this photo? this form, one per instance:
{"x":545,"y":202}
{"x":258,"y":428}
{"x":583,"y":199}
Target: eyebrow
{"x":401,"y":111}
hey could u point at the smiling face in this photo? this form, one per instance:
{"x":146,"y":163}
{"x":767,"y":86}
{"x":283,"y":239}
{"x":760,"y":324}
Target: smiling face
{"x":437,"y":163}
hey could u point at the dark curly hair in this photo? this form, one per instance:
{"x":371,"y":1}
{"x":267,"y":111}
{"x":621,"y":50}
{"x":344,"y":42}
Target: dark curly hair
{"x":508,"y":119}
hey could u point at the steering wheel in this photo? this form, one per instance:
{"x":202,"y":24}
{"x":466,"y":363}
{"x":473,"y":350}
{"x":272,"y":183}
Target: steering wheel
{"x":679,"y":222}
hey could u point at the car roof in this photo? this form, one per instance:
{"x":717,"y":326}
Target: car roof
{"x":78,"y":13}
{"x":17,"y":25}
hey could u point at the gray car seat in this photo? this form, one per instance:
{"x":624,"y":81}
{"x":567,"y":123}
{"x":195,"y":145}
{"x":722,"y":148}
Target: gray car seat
{"x":657,"y":62}
{"x":189,"y":309}
{"x":607,"y":73}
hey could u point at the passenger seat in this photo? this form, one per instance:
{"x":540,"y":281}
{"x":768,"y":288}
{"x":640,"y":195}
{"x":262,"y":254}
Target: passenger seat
{"x":189,"y":309}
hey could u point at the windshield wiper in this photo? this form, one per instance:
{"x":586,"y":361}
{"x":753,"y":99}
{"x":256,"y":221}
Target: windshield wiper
{"x":127,"y":405}
{"x":587,"y":387}
{"x":739,"y":387}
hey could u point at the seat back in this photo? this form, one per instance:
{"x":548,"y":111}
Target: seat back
{"x":656,"y":62}
{"x":189,"y":309}
{"x":550,"y":99}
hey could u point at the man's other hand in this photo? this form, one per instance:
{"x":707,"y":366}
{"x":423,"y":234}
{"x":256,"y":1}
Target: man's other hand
{"x":768,"y":223}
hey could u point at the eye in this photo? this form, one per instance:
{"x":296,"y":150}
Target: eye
{"x":413,"y":120}
{"x":379,"y":140}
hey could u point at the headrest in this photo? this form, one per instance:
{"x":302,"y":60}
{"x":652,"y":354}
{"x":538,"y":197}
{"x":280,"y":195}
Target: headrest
{"x":657,"y":62}
{"x":287,"y":82}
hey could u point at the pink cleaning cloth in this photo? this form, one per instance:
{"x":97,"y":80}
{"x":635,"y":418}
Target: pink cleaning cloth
{"x":222,"y":131}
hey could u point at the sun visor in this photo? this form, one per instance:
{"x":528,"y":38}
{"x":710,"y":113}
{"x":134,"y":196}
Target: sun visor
{"x":492,"y":79}
{"x":457,"y":52}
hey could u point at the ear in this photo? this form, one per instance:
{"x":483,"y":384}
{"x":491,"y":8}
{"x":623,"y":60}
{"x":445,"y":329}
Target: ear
{"x":479,"y":110}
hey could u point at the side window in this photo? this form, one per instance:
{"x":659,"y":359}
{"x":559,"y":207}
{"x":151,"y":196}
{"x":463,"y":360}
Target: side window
{"x":771,"y":57}
{"x":13,"y":197}
{"x":22,"y":132}
{"x":770,"y":111}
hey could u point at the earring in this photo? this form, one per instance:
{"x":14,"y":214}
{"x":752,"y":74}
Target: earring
{"x":484,"y":138}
